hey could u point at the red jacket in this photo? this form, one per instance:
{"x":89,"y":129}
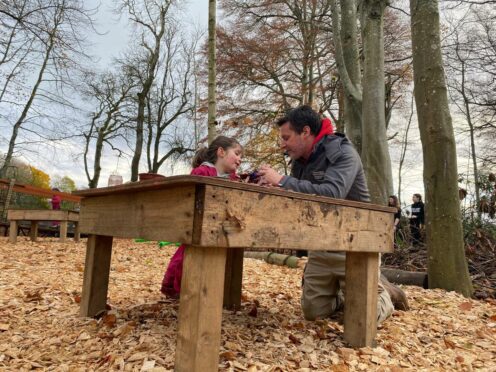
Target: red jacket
{"x":171,"y":284}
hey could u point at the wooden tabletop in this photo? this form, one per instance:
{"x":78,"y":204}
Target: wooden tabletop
{"x":174,"y":181}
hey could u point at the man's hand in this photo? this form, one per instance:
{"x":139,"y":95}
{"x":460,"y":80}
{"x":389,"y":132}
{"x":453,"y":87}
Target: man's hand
{"x":269,"y":176}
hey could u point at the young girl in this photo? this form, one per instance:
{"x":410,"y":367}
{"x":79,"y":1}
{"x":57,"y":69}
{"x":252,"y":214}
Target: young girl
{"x":221,"y":159}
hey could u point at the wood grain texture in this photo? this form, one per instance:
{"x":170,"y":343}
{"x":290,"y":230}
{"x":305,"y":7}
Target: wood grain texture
{"x":187,"y":181}
{"x":200,"y":310}
{"x":360,"y":308}
{"x":233,"y":279}
{"x":13,"y":231}
{"x":63,"y":231}
{"x":154,"y":214}
{"x":96,"y":275}
{"x":234,"y":218}
{"x":42,"y":215}
{"x":33,"y":233}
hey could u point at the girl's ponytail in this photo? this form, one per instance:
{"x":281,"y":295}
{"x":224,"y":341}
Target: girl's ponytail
{"x":210,"y":153}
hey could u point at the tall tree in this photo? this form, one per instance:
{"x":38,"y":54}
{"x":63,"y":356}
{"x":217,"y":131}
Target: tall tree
{"x":364,"y":105}
{"x":375,"y":151}
{"x":345,"y":35}
{"x":212,"y":69}
{"x":447,"y":265}
{"x":171,"y":101}
{"x":150,"y":19}
{"x":110,"y":92}
{"x":44,"y":45}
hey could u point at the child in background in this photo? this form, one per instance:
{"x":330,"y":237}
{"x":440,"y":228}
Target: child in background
{"x":56,"y":200}
{"x":221,"y":159}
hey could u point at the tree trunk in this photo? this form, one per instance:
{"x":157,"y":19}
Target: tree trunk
{"x":473,"y":154}
{"x":396,"y":276}
{"x":212,"y":61}
{"x":375,"y":153}
{"x":404,"y":147}
{"x":447,"y":265}
{"x":152,"y":61}
{"x":27,"y":106}
{"x":97,"y":168}
{"x":345,"y":40}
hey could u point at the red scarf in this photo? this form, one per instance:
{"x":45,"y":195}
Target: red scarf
{"x":325,"y":129}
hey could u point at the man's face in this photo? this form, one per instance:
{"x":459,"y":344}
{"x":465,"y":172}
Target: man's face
{"x":296,"y":145}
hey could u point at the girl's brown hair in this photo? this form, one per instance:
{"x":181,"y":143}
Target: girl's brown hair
{"x":210,"y":153}
{"x":396,"y":203}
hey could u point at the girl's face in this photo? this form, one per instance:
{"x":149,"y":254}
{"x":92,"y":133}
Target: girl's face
{"x":415,"y":198}
{"x":229,"y":160}
{"x":391,"y":202}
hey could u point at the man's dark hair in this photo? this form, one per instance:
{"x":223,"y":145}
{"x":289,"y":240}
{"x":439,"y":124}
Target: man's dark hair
{"x":418,"y":196}
{"x":301,"y":116}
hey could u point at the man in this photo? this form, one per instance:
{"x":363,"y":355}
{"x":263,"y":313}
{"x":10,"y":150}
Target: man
{"x":325,"y":164}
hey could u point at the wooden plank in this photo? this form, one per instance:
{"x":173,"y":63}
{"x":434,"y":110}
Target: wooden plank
{"x":360,"y":306}
{"x":13,"y":232}
{"x":77,"y":233}
{"x":42,"y":215}
{"x":237,"y":219}
{"x":155,"y":215}
{"x":233,"y":279}
{"x":96,"y":275}
{"x":33,"y":233}
{"x":37,"y":191}
{"x":63,"y":231}
{"x":200,"y":310}
{"x":185,"y":181}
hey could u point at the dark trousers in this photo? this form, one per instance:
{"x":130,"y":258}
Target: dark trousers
{"x":416,"y":235}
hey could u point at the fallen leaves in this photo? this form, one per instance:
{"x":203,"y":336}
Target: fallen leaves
{"x":40,"y":327}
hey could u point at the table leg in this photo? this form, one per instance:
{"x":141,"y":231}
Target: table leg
{"x":96,"y":275}
{"x":63,"y":231}
{"x":233,"y":279}
{"x":77,"y":232}
{"x":360,"y":307}
{"x":34,"y":230}
{"x":200,"y":310}
{"x":13,"y":231}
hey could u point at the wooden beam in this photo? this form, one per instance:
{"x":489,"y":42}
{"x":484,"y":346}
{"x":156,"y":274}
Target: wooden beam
{"x":237,"y":219}
{"x":63,"y":231}
{"x":233,"y":279}
{"x":152,"y":215}
{"x":360,"y":305}
{"x":96,"y":275}
{"x":34,"y":231}
{"x":37,"y":191}
{"x":13,"y":232}
{"x":200,"y":310}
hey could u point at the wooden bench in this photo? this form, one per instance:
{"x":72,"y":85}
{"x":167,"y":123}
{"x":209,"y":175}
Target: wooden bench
{"x":217,"y":219}
{"x":37,"y":215}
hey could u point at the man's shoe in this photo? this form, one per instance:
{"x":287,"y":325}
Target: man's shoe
{"x":398,"y":297}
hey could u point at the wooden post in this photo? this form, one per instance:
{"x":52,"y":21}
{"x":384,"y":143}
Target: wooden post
{"x":200,"y":310}
{"x":233,"y":279}
{"x":13,"y":231}
{"x":34,"y":230}
{"x":63,"y":230}
{"x":96,"y":275}
{"x":360,"y":307}
{"x":77,"y":232}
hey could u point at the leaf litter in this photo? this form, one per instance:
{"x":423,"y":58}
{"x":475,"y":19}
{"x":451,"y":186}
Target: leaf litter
{"x":40,"y":326}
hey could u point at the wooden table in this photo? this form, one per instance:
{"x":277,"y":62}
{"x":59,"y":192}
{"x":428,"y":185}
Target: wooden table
{"x":37,"y":215}
{"x":216,"y":219}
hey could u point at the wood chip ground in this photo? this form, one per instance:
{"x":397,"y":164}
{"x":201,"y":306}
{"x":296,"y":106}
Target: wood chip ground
{"x":40,"y":284}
